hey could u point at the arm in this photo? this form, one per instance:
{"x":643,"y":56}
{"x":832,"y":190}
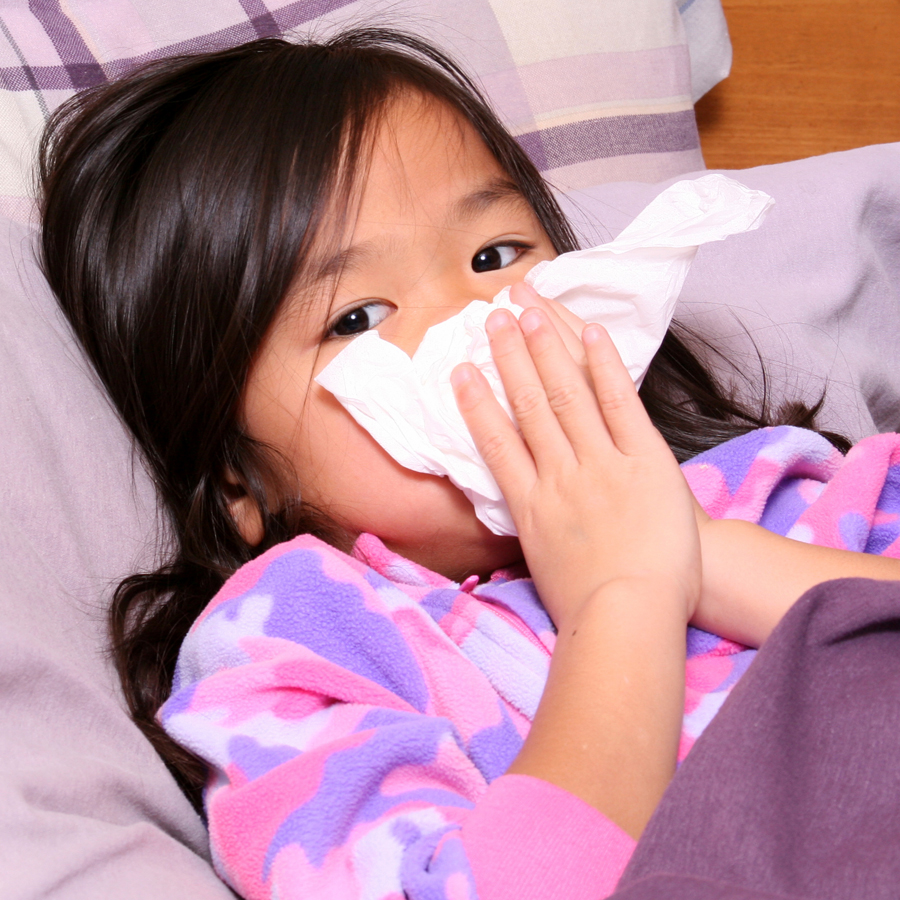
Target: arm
{"x":607,"y":528}
{"x":608,"y":725}
{"x":826,"y":516}
{"x":351,"y":743}
{"x":751,"y":577}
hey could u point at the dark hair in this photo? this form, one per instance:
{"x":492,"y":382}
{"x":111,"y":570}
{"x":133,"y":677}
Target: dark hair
{"x":179,"y":206}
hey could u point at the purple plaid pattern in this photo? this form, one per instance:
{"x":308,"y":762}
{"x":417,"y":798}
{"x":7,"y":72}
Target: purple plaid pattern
{"x":585,"y":119}
{"x":590,"y":139}
{"x":79,"y":68}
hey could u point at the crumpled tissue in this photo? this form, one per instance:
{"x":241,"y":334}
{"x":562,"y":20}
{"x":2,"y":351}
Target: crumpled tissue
{"x":629,"y":285}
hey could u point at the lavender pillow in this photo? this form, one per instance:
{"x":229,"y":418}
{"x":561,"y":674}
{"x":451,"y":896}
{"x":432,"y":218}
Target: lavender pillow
{"x":815,"y":292}
{"x":87,"y":809}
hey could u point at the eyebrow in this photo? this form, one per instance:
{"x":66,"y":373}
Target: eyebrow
{"x":343,"y":261}
{"x":468,"y":207}
{"x":499,"y":190}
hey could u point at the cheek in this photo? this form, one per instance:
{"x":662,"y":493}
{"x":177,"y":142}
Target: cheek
{"x":343,"y":471}
{"x":275,"y":398}
{"x":337,"y":462}
{"x":345,"y":474}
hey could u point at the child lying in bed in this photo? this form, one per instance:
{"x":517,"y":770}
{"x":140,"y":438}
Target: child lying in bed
{"x":378,"y":701}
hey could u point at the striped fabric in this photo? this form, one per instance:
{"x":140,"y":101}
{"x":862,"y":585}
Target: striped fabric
{"x":595,"y":91}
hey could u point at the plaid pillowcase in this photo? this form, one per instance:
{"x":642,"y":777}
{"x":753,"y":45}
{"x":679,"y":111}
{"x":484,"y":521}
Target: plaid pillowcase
{"x":595,"y":91}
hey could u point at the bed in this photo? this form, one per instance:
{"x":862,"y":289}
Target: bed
{"x":602,"y":97}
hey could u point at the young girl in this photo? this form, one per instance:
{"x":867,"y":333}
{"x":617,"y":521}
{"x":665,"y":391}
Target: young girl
{"x":370,"y":700}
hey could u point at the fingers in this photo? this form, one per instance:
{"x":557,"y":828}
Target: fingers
{"x":495,"y":436}
{"x":567,"y":324}
{"x":541,"y":381}
{"x":624,"y":414}
{"x":561,"y":417}
{"x":553,"y":403}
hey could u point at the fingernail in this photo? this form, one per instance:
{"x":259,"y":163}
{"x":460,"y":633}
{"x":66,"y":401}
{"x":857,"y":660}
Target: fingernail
{"x":530,"y":320}
{"x":496,"y":320}
{"x":460,"y":376}
{"x":591,"y":334}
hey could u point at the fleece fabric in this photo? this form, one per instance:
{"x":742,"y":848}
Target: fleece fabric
{"x":358,"y":712}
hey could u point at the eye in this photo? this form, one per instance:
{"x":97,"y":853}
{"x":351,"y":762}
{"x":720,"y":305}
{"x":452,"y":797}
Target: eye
{"x":360,"y":319}
{"x":497,"y":257}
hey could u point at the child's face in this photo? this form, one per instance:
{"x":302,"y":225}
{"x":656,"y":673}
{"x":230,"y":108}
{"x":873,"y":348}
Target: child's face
{"x":438,"y":225}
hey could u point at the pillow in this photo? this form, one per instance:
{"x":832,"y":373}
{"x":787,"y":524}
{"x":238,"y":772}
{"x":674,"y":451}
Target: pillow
{"x":814,"y":292}
{"x":87,"y":810}
{"x":595,"y":91}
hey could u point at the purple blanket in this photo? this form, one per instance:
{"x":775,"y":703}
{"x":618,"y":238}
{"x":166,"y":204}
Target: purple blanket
{"x":793,"y":789}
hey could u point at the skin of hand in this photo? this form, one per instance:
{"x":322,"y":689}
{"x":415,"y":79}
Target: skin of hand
{"x":589,"y":471}
{"x":608,"y":529}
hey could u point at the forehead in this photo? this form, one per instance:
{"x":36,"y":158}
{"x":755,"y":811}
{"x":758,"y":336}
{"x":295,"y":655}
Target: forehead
{"x":424,"y":124}
{"x":424,"y":153}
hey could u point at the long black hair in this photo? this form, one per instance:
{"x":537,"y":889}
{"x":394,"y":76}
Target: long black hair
{"x":179,"y":205}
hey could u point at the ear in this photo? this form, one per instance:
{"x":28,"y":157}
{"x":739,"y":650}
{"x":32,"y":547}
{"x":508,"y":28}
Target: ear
{"x":244,"y":509}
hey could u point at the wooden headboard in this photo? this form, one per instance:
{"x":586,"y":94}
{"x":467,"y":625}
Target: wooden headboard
{"x":809,"y":77}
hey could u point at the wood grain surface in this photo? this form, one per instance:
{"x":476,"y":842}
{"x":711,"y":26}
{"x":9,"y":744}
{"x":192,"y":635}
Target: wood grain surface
{"x":809,"y":77}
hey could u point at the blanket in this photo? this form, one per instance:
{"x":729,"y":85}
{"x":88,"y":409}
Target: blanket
{"x":806,"y":806}
{"x":358,"y":712}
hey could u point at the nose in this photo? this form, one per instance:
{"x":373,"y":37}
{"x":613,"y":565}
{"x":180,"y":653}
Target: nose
{"x":427,"y":306}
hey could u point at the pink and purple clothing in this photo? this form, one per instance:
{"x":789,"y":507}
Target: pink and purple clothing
{"x":358,"y":712}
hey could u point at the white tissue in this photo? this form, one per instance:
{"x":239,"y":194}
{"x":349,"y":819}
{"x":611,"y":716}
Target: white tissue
{"x":629,"y":285}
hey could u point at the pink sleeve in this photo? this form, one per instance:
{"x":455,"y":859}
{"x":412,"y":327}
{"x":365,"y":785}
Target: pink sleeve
{"x":528,"y":839}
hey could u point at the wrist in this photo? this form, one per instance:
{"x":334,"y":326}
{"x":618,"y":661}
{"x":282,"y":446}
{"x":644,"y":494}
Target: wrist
{"x":737,"y":599}
{"x":608,"y":725}
{"x":719,"y":539}
{"x":653,"y":595}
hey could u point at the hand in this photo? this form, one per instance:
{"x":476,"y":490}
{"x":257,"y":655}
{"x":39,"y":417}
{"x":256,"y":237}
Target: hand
{"x":568,"y":326}
{"x":594,"y":491}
